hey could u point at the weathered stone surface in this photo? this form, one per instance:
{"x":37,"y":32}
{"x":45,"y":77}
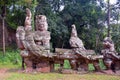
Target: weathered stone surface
{"x":34,"y":45}
{"x":35,"y":49}
{"x":75,"y":41}
{"x":111,"y":57}
{"x":84,"y":57}
{"x":43,"y":66}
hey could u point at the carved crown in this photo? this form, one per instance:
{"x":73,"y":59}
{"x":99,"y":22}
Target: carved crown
{"x":41,"y":18}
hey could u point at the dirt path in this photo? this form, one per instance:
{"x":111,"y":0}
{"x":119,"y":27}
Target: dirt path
{"x":3,"y":73}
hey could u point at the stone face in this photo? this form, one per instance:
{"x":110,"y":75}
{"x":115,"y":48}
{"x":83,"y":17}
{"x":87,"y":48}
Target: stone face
{"x":41,"y":23}
{"x":34,"y":45}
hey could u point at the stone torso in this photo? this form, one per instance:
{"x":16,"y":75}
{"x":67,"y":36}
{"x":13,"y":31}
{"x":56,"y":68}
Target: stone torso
{"x":75,"y":42}
{"x":42,"y":38}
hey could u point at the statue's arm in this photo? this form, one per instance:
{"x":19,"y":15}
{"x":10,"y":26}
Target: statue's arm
{"x":20,"y":37}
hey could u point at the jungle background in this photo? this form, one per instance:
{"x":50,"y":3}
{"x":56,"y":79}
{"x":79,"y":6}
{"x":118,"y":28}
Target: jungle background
{"x":89,"y":16}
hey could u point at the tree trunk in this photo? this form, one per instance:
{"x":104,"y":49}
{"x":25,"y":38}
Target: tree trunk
{"x":97,"y":41}
{"x":33,"y":13}
{"x":62,"y":44}
{"x":3,"y":29}
{"x":108,"y":20}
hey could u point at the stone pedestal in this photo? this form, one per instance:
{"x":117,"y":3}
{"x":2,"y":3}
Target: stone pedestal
{"x":43,"y":66}
{"x":117,"y":65}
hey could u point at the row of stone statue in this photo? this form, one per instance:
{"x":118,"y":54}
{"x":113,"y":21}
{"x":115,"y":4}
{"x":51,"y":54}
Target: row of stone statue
{"x":35,"y":49}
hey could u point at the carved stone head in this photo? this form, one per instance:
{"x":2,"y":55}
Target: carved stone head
{"x":107,"y":42}
{"x":41,"y":23}
{"x":74,"y":31}
{"x":28,"y":12}
{"x":28,"y":26}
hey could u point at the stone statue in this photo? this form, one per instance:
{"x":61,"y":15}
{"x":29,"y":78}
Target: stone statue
{"x":27,"y":24}
{"x":110,"y":54}
{"x":75,"y":41}
{"x":21,"y":38}
{"x":34,"y":45}
{"x":84,"y":56}
{"x":44,"y":35}
{"x":38,"y":41}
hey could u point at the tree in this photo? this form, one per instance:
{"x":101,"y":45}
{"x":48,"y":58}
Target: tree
{"x":10,"y":9}
{"x":89,"y":16}
{"x":3,"y":12}
{"x":19,"y":9}
{"x":59,"y":32}
{"x":86,"y":15}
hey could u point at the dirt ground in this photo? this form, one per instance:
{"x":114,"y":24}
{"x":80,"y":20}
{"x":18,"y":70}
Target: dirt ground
{"x":3,"y":73}
{"x":15,"y":74}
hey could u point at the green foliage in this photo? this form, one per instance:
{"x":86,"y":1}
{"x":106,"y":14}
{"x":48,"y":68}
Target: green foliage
{"x":115,"y":33}
{"x":15,"y":11}
{"x":89,"y":17}
{"x":101,"y":64}
{"x":14,"y":20}
{"x":86,"y":15}
{"x":59,"y":31}
{"x":91,"y":68}
{"x":67,"y":64}
{"x":11,"y":57}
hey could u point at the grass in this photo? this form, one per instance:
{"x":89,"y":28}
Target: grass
{"x":52,"y":76}
{"x":14,"y":75}
{"x":11,"y":72}
{"x":11,"y":63}
{"x":11,"y":56}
